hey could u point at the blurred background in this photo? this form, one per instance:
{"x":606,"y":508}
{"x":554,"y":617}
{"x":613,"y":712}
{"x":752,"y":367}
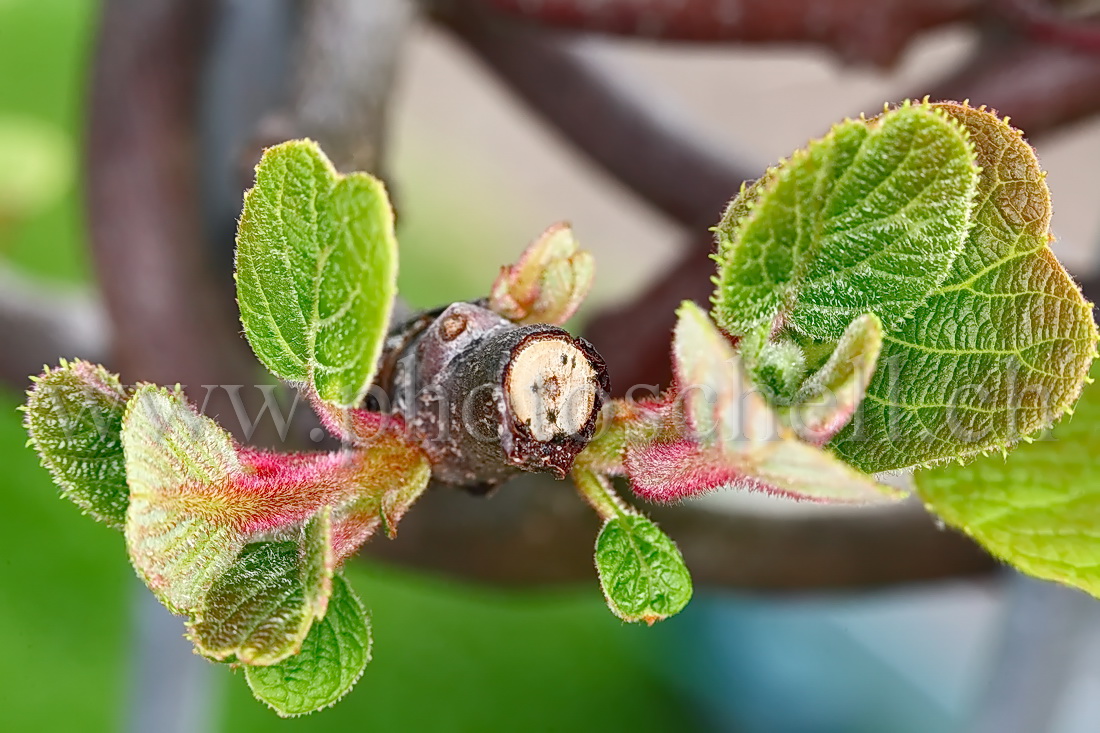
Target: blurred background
{"x":127,"y":133}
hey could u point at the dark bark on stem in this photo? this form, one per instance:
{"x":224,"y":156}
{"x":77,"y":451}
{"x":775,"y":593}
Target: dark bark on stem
{"x":486,"y":398}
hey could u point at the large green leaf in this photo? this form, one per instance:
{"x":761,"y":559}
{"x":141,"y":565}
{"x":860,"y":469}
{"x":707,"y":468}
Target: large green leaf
{"x":1000,"y":348}
{"x":1039,"y":508}
{"x":867,"y":219}
{"x":74,"y":418}
{"x":259,"y":611}
{"x":316,"y":271}
{"x":333,"y":657}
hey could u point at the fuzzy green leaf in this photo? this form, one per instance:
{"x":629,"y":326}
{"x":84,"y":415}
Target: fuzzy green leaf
{"x":316,"y":271}
{"x":867,"y":219}
{"x":1000,"y":348}
{"x":74,"y":419}
{"x":259,"y":610}
{"x":777,"y":366}
{"x":196,"y":499}
{"x":723,"y":409}
{"x":332,"y":658}
{"x":826,"y":401}
{"x":178,"y":463}
{"x":641,"y":571}
{"x":734,"y":439}
{"x":1039,"y":508}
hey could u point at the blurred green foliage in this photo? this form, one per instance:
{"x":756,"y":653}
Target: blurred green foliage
{"x":447,"y":656}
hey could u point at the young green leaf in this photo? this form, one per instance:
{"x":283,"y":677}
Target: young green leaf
{"x":641,"y":571}
{"x":74,"y":419}
{"x":259,"y":610}
{"x":196,"y":500}
{"x":722,"y":408}
{"x":867,"y":219}
{"x":1000,"y":348}
{"x":776,"y":365}
{"x":733,"y":438}
{"x":826,"y":401}
{"x":332,"y":658}
{"x":1037,"y":509}
{"x":549,"y":282}
{"x":316,"y":271}
{"x":177,"y":462}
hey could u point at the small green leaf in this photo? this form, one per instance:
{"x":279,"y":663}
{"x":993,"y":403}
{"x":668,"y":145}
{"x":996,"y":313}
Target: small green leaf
{"x":316,"y":271}
{"x":333,"y":657}
{"x":735,"y":439}
{"x":1039,"y":508}
{"x":74,"y":418}
{"x":641,"y":571}
{"x":1000,"y":348}
{"x":196,"y":499}
{"x":826,"y":401}
{"x":180,"y":530}
{"x":723,"y":409}
{"x":776,"y":365}
{"x":259,"y":610}
{"x":867,"y":219}
{"x":549,"y":282}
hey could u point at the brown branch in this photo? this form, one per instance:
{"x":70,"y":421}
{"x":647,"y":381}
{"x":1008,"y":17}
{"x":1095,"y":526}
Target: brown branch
{"x":536,"y":532}
{"x":169,"y":309}
{"x":166,"y":306}
{"x":1041,"y":86}
{"x":871,"y":32}
{"x":623,"y":128}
